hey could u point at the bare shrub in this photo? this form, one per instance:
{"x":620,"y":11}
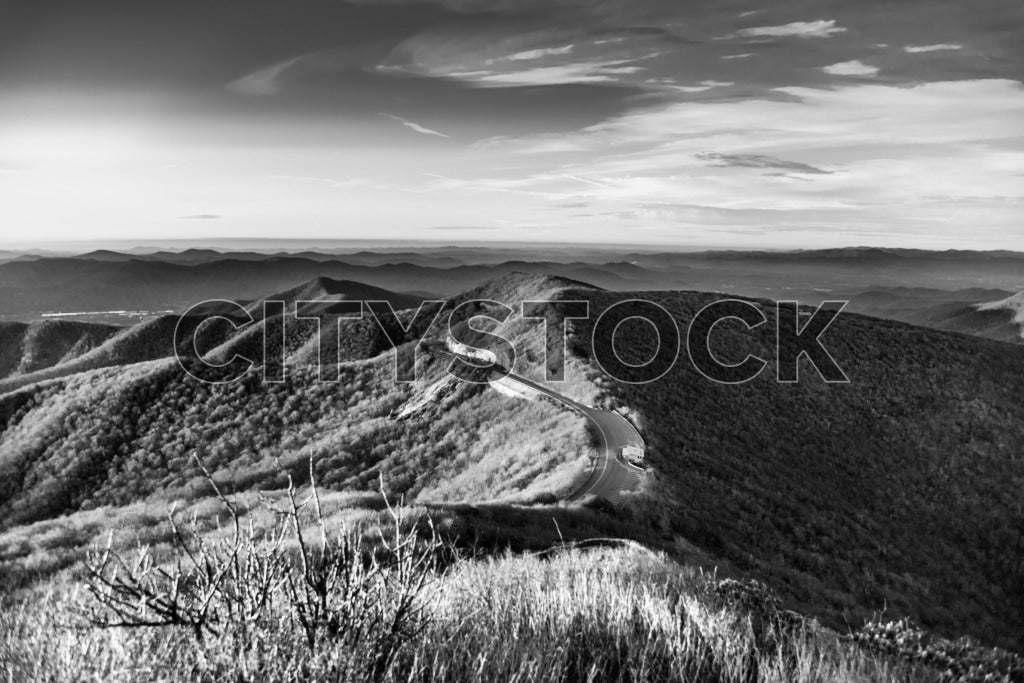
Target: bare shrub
{"x":365,"y":594}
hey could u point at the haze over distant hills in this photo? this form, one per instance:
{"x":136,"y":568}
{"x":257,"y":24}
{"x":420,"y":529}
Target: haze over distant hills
{"x":930,"y":288}
{"x":983,"y":312}
{"x":1012,"y":307}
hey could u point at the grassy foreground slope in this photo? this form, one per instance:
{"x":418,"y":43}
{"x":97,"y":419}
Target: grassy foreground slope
{"x":606,"y":616}
{"x":407,"y":605}
{"x":900,"y":490}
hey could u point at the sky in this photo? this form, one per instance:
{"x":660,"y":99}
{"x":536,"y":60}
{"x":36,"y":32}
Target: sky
{"x":729,"y":123}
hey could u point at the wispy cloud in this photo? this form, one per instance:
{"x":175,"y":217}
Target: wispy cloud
{"x":760,"y":161}
{"x":265,"y":82}
{"x":703,"y":87}
{"x":415,"y":127}
{"x":464,"y":228}
{"x":913,"y":49}
{"x":561,"y":74}
{"x":852,"y":68}
{"x":641,"y":170}
{"x":511,"y":57}
{"x":800,"y":29}
{"x":540,"y":53}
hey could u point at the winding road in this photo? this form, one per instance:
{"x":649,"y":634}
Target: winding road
{"x":612,"y":476}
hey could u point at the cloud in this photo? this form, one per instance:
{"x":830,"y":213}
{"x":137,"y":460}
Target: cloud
{"x":906,"y":158}
{"x":540,"y":53}
{"x":201,"y":217}
{"x":561,"y":74}
{"x":275,"y":79}
{"x":415,"y":127}
{"x":760,"y":161}
{"x":487,"y":6}
{"x":913,"y":49}
{"x":639,"y":94}
{"x":510,"y":55}
{"x":778,"y":219}
{"x":703,"y":87}
{"x":265,"y":82}
{"x":853,"y":68}
{"x":464,"y":227}
{"x":800,"y":29}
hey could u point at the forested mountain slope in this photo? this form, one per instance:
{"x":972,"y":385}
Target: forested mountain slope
{"x":99,"y":346}
{"x":990,"y":313}
{"x":27,"y":348}
{"x":900,"y":489}
{"x":149,"y":340}
{"x":117,"y":435}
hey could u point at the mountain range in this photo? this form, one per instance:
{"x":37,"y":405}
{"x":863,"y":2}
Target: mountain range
{"x":162,"y":281}
{"x":897,"y":491}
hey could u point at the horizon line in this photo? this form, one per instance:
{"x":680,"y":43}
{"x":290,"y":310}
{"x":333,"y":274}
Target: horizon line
{"x":312,"y":244}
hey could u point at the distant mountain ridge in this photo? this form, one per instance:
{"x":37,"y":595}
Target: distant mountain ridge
{"x":327,"y":289}
{"x":990,"y":313}
{"x":74,"y":347}
{"x":83,"y":285}
{"x":161,"y":281}
{"x":864,"y":254}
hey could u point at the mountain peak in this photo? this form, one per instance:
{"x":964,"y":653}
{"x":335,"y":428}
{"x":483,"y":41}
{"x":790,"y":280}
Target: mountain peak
{"x":516,"y":286}
{"x":324,"y":288}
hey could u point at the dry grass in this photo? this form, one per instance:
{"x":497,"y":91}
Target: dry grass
{"x":612,"y":614}
{"x":294,"y":587}
{"x":609,"y":615}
